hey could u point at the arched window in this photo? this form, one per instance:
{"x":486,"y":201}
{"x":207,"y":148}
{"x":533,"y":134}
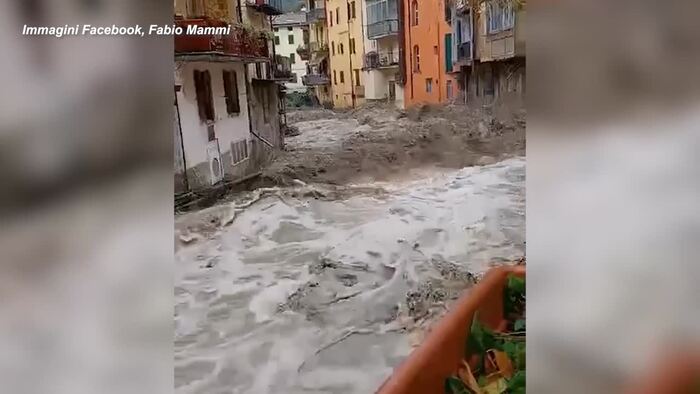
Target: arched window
{"x":414,"y":13}
{"x":416,"y":58}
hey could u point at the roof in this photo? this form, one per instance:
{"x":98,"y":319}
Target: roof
{"x":290,"y":18}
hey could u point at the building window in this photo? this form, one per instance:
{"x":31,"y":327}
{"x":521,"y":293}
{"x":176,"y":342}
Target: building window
{"x":290,"y":38}
{"x":335,"y":78}
{"x":348,"y":7}
{"x":290,"y":29}
{"x":340,"y":48}
{"x":205,"y":99}
{"x":292,"y":58}
{"x":333,"y":47}
{"x":429,"y":85}
{"x":357,"y":77}
{"x":352,"y":8}
{"x":342,"y":77}
{"x":196,"y":8}
{"x":352,"y":45}
{"x":499,"y":17}
{"x":414,"y":13}
{"x":276,"y":29}
{"x":449,"y":89}
{"x":239,"y":151}
{"x":448,"y":12}
{"x":416,"y":59}
{"x":331,"y":18}
{"x":231,"y":92}
{"x":337,"y":15}
{"x":277,"y":40}
{"x":435,"y":49}
{"x":508,"y":16}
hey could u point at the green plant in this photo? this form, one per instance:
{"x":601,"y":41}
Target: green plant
{"x":508,"y":350}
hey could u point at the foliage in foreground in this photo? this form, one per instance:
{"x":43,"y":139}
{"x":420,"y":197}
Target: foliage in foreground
{"x":500,"y":364}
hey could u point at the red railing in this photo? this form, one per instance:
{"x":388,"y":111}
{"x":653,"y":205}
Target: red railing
{"x":239,"y":42}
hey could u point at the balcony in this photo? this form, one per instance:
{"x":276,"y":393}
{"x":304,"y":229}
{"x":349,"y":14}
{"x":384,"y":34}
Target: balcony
{"x":382,"y":28}
{"x":375,"y":60}
{"x":315,"y":79}
{"x":318,"y":47}
{"x":239,"y":43}
{"x":304,"y":52}
{"x":285,"y":75}
{"x":267,"y":7}
{"x":315,"y":15}
{"x":464,"y":51}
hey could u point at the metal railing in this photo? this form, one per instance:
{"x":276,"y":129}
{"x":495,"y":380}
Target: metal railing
{"x":315,"y":79}
{"x":240,"y":42}
{"x":380,"y":59}
{"x":318,"y":47}
{"x":464,"y":51}
{"x":315,"y":14}
{"x":382,"y":28}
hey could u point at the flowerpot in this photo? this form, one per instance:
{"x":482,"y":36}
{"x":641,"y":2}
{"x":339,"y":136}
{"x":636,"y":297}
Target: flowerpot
{"x":442,"y":351}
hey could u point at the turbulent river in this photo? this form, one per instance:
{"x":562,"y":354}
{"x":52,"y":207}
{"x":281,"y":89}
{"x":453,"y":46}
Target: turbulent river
{"x":297,"y":290}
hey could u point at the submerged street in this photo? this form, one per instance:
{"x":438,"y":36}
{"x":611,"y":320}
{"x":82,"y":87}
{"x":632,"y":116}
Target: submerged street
{"x":325,"y":281}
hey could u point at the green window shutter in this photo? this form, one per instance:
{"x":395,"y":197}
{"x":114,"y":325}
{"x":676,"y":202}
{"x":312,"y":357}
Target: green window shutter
{"x":448,"y":52}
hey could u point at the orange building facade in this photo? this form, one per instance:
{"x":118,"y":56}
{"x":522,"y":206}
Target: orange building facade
{"x":427,"y":52}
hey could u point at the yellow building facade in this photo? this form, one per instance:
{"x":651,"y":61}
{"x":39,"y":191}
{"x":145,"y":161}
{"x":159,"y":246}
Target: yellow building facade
{"x":346,"y":50}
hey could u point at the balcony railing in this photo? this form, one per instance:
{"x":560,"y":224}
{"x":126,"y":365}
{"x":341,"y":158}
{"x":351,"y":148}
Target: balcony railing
{"x":240,"y":42}
{"x":268,"y":7}
{"x":315,"y":15}
{"x":374,"y":60}
{"x":318,"y":47}
{"x":464,"y":51}
{"x":383,"y":28}
{"x":304,"y":52}
{"x":315,"y":79}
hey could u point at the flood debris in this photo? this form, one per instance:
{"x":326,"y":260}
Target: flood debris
{"x":378,"y":141}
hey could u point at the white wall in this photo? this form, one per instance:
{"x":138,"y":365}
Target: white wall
{"x":377,"y":80}
{"x":285,"y":49}
{"x":227,"y":127}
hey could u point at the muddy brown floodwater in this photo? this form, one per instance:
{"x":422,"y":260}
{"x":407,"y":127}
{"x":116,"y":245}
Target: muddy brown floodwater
{"x":379,"y":143}
{"x":324,"y":284}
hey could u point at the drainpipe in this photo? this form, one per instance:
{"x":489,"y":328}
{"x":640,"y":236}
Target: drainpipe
{"x":410,"y":47}
{"x":352,"y":84}
{"x":239,"y":17}
{"x":440,"y":15}
{"x":402,"y":43}
{"x":182,"y":142}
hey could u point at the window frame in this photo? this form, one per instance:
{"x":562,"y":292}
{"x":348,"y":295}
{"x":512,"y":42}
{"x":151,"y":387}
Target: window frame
{"x":342,"y":76}
{"x":233,"y":104}
{"x":414,"y":13}
{"x":416,"y":59}
{"x":204,"y":96}
{"x":290,"y":39}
